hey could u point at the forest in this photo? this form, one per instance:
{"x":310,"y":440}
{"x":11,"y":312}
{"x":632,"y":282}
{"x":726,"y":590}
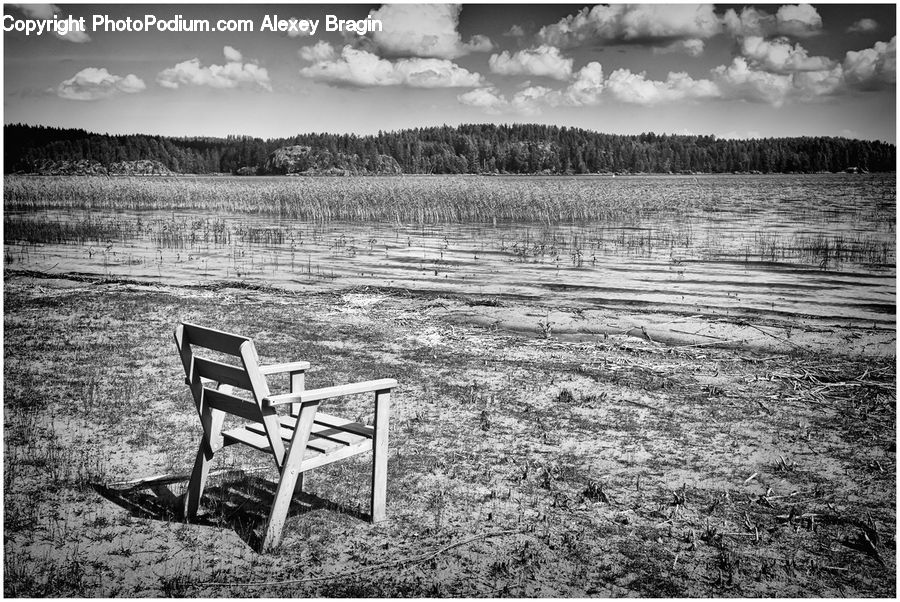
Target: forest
{"x":474,"y":149}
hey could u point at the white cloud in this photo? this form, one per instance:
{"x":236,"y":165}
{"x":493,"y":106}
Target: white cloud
{"x":423,"y":30}
{"x":690,"y":47}
{"x":812,"y":85}
{"x":587,"y":87}
{"x":780,"y":56}
{"x":232,"y":55}
{"x":544,"y":60}
{"x":232,"y":74}
{"x":361,"y":68}
{"x":635,"y":88}
{"x":799,"y":21}
{"x":516,"y":31}
{"x":46,"y":11}
{"x":653,"y":24}
{"x":872,"y":68}
{"x":318,"y":52}
{"x":38,"y":11}
{"x":863,"y":26}
{"x":488,"y":99}
{"x":740,"y":81}
{"x":93,"y":83}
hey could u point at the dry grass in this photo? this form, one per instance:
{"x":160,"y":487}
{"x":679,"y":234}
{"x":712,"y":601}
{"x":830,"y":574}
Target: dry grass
{"x":520,"y":465}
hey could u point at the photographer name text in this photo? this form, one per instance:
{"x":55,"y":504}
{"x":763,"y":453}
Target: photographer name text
{"x":149,"y":23}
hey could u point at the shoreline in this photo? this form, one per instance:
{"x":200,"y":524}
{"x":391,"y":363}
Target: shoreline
{"x":662,"y":327}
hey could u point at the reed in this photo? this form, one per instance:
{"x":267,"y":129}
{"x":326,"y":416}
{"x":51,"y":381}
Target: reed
{"x":408,"y":199}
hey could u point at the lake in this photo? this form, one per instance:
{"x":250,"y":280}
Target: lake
{"x":774,"y":245}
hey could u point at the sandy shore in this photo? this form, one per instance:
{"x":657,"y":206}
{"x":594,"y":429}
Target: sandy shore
{"x":534,"y":451}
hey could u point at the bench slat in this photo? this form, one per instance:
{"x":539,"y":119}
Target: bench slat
{"x":233,"y":405}
{"x":216,"y":340}
{"x":310,"y":462}
{"x":368,"y":386}
{"x":345,"y":425}
{"x":322,"y":438}
{"x":287,"y":367}
{"x":223,"y":373}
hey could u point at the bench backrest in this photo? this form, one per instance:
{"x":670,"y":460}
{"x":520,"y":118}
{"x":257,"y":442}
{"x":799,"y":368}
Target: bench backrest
{"x":205,"y":376}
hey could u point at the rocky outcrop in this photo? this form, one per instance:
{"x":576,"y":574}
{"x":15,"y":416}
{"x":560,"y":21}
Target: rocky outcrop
{"x":86,"y":167}
{"x":305,"y":160}
{"x":143,"y":167}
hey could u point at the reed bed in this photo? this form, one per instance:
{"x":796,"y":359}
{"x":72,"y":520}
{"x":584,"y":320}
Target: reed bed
{"x":407,"y":199}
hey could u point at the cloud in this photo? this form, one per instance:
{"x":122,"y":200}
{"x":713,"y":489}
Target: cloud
{"x":516,"y":31}
{"x":873,"y":68}
{"x":863,"y":26}
{"x":488,"y":99}
{"x":47,"y":11}
{"x":740,"y":81}
{"x":794,"y":20}
{"x":319,"y":52}
{"x":801,"y":20}
{"x":544,"y":60}
{"x":780,"y":56}
{"x":232,"y":55}
{"x":635,"y":88}
{"x":423,"y":30}
{"x":232,"y":74}
{"x":364,"y":69}
{"x":690,"y":47}
{"x":93,"y":83}
{"x":587,"y":87}
{"x":650,"y":24}
{"x":773,"y":72}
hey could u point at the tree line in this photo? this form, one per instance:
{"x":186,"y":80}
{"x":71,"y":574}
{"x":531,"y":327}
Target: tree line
{"x":475,"y":148}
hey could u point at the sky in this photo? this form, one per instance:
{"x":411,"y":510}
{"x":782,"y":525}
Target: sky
{"x":731,"y":70}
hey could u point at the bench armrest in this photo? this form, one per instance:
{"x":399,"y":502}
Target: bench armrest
{"x":384,"y":384}
{"x":287,"y":367}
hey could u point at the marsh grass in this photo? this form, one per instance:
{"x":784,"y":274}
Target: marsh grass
{"x":408,"y":199}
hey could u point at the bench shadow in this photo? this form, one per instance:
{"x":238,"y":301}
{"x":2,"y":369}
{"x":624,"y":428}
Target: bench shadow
{"x":241,"y":504}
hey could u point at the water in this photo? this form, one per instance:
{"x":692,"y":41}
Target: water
{"x":819,"y":246}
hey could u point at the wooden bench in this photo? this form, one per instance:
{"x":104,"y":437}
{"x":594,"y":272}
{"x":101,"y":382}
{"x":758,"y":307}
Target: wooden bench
{"x":300,"y":439}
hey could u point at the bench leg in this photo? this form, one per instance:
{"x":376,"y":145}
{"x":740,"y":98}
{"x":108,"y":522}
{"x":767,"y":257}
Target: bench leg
{"x":380,"y":456}
{"x":298,"y":383}
{"x":290,"y":474}
{"x":198,"y":480}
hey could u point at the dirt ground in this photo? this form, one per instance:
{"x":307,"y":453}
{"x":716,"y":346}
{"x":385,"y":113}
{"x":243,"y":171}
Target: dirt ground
{"x":533,"y":451}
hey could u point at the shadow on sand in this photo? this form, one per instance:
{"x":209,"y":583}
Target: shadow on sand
{"x":241,"y":503}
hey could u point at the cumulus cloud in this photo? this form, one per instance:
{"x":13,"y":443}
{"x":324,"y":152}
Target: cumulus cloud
{"x":318,"y":52}
{"x":740,"y":81}
{"x":587,"y":86}
{"x":780,"y":56}
{"x":233,"y":55}
{"x":801,"y":20}
{"x":47,"y":11}
{"x":516,"y":31}
{"x":795,"y":20}
{"x":873,"y":68}
{"x":232,"y":74}
{"x":488,"y":99}
{"x":93,"y":83}
{"x":652,"y":24}
{"x":635,"y":88}
{"x":544,"y":60}
{"x":423,"y":30}
{"x":361,"y":68}
{"x":863,"y":26}
{"x":690,"y":47}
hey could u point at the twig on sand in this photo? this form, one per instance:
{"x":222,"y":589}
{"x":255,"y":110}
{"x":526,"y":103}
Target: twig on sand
{"x":414,"y":560}
{"x":769,"y":334}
